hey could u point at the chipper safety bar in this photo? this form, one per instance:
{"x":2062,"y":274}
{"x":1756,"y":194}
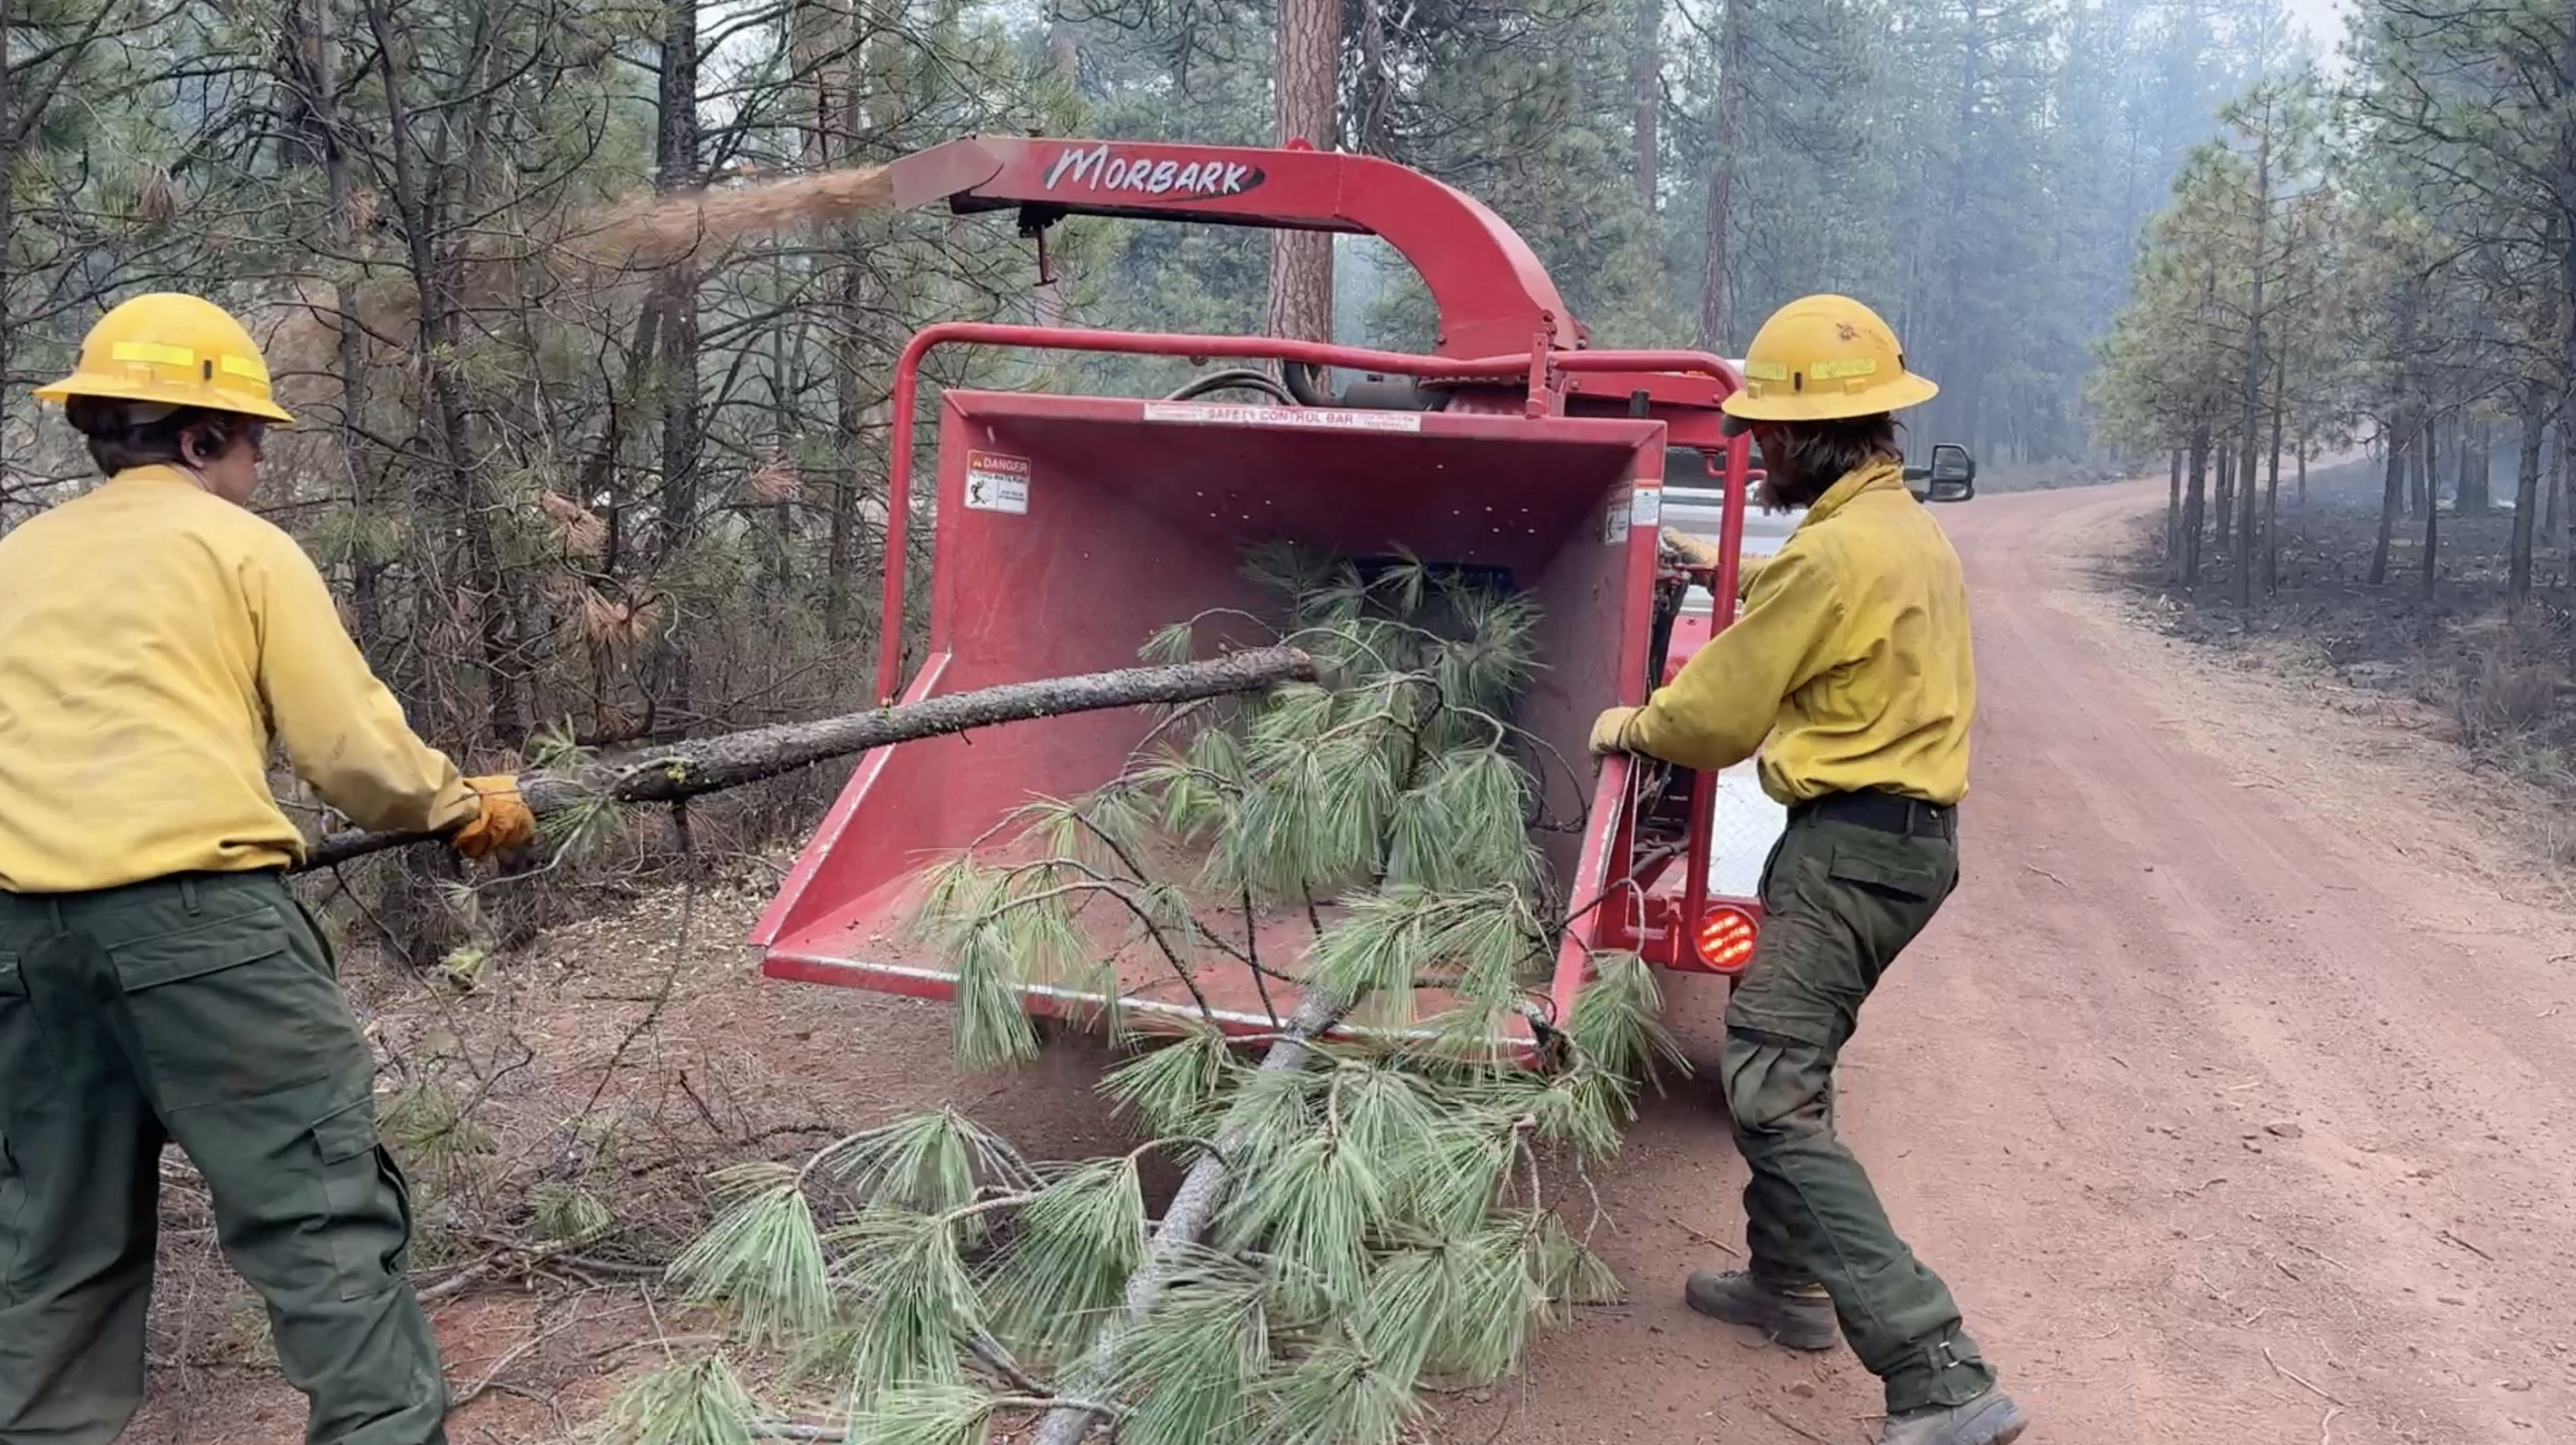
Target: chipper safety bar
{"x":1070,"y":528}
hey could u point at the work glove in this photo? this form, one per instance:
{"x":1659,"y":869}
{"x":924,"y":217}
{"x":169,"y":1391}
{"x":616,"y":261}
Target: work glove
{"x":1610,"y":730}
{"x":1688,"y":550}
{"x":503,"y":823}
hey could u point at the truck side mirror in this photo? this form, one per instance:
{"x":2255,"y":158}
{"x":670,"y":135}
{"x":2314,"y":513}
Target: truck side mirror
{"x":1953,"y":473}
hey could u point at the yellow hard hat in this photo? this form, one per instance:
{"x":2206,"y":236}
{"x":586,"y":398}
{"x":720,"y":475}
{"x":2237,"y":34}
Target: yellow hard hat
{"x":174,"y":349}
{"x":1823,"y":358}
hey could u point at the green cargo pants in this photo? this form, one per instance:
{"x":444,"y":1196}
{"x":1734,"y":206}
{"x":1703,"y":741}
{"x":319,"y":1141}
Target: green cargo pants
{"x":203,"y":1010}
{"x":1842,"y":900}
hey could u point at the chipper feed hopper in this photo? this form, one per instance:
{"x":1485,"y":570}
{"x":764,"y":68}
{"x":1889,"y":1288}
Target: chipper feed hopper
{"x":1070,"y":528}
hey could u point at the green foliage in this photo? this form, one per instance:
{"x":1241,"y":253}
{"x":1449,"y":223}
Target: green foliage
{"x":569,"y":1215}
{"x":923,"y":1412}
{"x":433,"y":1130}
{"x":913,"y":1294}
{"x":763,"y":1258}
{"x":1198,"y":1359}
{"x":929,"y":1162}
{"x":1065,"y":1267}
{"x":697,"y":1402}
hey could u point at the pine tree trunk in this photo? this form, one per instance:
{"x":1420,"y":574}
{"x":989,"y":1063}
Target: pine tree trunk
{"x":442,"y":428}
{"x":2226,"y":509}
{"x":2554,"y":517}
{"x":851,"y":480}
{"x":2272,"y":501}
{"x":2193,"y":504}
{"x":350,"y":361}
{"x":2392,"y":501}
{"x":2432,"y":538}
{"x":2476,"y":488}
{"x":675,"y":154}
{"x":2558,"y":486}
{"x":1646,"y":101}
{"x":2300,"y":509}
{"x":2250,"y":388}
{"x":1064,"y":49}
{"x":835,"y":142}
{"x":1307,"y":80}
{"x":1726,"y":142}
{"x":2173,"y":519}
{"x":2424,"y":484}
{"x":2526,"y":486}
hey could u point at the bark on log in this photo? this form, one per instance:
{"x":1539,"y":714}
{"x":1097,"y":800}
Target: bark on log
{"x":708,"y":765}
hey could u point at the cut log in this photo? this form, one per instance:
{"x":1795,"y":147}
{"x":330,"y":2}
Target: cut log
{"x":730,"y":760}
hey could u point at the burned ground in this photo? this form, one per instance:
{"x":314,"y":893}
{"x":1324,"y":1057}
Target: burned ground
{"x":2460,"y":661}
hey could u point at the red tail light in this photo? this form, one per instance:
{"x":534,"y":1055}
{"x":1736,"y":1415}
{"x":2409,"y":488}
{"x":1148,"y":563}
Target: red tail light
{"x":1726,"y":938}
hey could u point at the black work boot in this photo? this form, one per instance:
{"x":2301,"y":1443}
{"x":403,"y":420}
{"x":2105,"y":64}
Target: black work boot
{"x":1990,"y":1419}
{"x":1801,"y":1318}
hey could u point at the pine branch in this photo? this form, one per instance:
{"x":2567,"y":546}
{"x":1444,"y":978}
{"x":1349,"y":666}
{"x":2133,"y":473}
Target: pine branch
{"x":1185,"y":1223}
{"x":685,"y":770}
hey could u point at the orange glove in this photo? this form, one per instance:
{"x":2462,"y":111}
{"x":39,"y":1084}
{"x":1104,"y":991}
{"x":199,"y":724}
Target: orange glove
{"x":1610,"y":730}
{"x":504,"y":822}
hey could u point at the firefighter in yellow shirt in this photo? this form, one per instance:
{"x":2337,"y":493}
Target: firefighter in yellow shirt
{"x":1851,"y":657}
{"x":158,"y":983}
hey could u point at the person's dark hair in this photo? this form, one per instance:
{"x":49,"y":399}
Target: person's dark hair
{"x":1813,"y":455}
{"x":123,"y":434}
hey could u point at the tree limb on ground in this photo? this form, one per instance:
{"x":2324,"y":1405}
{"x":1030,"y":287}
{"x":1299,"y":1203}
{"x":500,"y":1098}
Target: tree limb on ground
{"x":730,"y":760}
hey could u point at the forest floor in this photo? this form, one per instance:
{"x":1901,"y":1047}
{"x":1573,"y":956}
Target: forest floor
{"x":2234,"y":1093}
{"x":2459,"y":661}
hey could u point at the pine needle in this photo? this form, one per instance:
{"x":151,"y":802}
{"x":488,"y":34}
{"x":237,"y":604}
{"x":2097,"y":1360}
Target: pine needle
{"x":1616,"y":1021}
{"x":1175,"y":1089}
{"x":917,"y":1299}
{"x":1190,"y":1368}
{"x":1314,"y":1205}
{"x":1338,"y":1396}
{"x":699,"y":1402}
{"x":1067,"y":1265}
{"x":931,"y":1162}
{"x":922,"y":1414}
{"x":763,"y":1258}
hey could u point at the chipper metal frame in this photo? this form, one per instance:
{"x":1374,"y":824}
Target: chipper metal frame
{"x":1068,"y":528}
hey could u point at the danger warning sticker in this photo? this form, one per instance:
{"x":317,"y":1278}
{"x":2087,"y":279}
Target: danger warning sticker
{"x":997,"y":483}
{"x":1641,"y":507}
{"x":1307,"y":418}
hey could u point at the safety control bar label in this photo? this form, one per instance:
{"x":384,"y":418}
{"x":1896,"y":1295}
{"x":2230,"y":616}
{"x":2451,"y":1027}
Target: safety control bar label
{"x":1307,"y":418}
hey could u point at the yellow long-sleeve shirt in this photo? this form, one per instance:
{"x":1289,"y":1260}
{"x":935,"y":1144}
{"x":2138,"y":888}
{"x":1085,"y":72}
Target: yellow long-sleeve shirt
{"x":1851,"y":656}
{"x":154,"y":641}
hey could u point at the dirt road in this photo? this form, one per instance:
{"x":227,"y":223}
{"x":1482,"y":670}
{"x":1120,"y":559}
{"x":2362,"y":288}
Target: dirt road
{"x":2234,"y":1093}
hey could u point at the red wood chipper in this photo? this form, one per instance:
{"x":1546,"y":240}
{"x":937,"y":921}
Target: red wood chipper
{"x":1069,"y":528}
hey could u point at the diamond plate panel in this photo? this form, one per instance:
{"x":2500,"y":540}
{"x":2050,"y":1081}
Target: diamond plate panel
{"x":1746,"y":824}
